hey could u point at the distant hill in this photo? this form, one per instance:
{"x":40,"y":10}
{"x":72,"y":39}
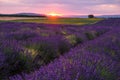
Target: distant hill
{"x":42,"y":15}
{"x":23,"y":15}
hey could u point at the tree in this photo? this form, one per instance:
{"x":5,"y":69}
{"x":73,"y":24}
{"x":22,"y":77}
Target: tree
{"x":91,"y":16}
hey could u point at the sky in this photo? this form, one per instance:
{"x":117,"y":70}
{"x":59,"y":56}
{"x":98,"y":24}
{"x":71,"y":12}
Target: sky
{"x":64,"y":7}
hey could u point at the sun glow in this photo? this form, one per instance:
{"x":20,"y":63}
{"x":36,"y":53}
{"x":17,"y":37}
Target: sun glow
{"x":54,"y":14}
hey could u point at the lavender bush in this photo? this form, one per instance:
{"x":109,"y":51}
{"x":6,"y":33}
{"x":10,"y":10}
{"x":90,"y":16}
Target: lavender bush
{"x":67,"y":52}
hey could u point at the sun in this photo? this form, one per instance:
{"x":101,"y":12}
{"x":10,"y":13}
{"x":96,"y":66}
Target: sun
{"x":54,"y":14}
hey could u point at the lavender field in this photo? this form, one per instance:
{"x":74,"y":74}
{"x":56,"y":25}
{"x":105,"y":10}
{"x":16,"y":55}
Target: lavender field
{"x":37,"y":51}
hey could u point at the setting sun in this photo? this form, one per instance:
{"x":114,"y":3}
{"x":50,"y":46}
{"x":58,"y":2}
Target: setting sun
{"x":54,"y":14}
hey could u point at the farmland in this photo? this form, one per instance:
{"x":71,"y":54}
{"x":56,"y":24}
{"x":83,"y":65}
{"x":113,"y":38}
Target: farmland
{"x":60,"y":49}
{"x":72,"y":21}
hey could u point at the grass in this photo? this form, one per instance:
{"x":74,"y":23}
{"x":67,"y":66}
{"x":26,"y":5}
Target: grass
{"x":73,"y":21}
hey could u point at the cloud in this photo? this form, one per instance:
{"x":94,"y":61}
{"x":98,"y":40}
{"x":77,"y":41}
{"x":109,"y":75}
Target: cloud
{"x":62,"y":6}
{"x":91,"y":2}
{"x":104,"y":9}
{"x":10,"y":1}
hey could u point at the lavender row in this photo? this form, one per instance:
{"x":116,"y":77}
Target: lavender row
{"x":97,"y":59}
{"x":80,"y":64}
{"x":28,"y":46}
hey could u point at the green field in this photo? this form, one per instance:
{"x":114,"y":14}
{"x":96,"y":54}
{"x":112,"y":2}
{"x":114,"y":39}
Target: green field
{"x":73,"y":21}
